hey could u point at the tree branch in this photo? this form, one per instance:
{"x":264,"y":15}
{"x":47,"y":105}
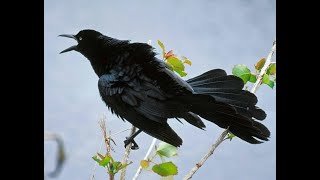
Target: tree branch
{"x":107,"y":141}
{"x":145,"y":158}
{"x":209,"y":153}
{"x":224,"y":133}
{"x":126,"y":155}
{"x":264,"y":68}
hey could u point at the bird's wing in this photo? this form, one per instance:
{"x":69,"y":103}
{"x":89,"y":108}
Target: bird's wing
{"x":140,"y":93}
{"x":140,"y":103}
{"x":153,"y":68}
{"x":145,"y":83}
{"x":167,"y":80}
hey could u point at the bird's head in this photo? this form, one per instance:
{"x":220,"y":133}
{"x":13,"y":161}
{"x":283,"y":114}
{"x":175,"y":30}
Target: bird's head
{"x":87,"y":41}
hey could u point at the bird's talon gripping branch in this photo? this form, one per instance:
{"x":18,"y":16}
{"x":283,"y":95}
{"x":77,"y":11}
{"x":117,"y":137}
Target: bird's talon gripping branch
{"x":129,"y":140}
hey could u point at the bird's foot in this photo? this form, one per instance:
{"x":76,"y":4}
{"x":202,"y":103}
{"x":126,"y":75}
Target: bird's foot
{"x":134,"y":145}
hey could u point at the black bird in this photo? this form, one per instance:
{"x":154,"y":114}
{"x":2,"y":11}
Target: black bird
{"x":140,"y":88}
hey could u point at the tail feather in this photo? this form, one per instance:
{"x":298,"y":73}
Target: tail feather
{"x":218,"y":82}
{"x":243,"y":127}
{"x":194,"y":120}
{"x":244,"y":101}
{"x":212,"y":73}
{"x":244,"y":135}
{"x":251,"y":111}
{"x":230,"y":96}
{"x":219,"y":98}
{"x":264,"y":130}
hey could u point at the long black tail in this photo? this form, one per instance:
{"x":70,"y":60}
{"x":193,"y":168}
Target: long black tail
{"x":220,"y":98}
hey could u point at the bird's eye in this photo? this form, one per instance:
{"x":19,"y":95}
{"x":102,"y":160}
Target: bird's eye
{"x":80,"y":38}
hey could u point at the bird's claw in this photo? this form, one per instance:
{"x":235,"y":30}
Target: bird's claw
{"x":134,"y":145}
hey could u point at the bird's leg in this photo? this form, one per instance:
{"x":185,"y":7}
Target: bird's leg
{"x":131,"y":140}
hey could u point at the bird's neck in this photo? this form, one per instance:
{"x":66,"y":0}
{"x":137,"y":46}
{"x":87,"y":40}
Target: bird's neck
{"x":104,"y":64}
{"x":106,"y":54}
{"x":119,"y":54}
{"x":100,"y":68}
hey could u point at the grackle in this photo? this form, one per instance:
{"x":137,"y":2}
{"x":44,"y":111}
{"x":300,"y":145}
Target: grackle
{"x":139,"y":88}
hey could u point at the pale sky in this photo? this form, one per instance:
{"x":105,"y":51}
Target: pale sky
{"x":212,"y":34}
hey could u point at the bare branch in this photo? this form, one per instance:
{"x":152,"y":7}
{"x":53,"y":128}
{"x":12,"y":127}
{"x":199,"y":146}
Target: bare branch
{"x":120,"y":132}
{"x":106,"y":140}
{"x":145,"y":158}
{"x":264,"y":68}
{"x":126,"y":155}
{"x":102,"y":123}
{"x":209,"y":153}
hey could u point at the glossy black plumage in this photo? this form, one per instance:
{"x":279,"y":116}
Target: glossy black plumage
{"x":141,"y":89}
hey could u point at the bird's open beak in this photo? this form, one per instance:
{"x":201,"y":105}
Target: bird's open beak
{"x":75,"y":47}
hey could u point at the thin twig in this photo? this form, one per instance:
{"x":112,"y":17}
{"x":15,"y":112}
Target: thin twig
{"x":145,"y":158}
{"x":264,"y":68}
{"x":107,"y":141}
{"x":120,"y":132}
{"x":224,"y":133}
{"x":209,"y":153}
{"x":104,"y":132}
{"x":126,"y":155}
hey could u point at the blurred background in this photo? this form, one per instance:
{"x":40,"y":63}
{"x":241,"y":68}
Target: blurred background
{"x":212,"y":34}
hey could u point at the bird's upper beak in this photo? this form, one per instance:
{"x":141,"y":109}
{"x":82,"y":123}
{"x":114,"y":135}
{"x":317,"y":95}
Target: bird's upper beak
{"x":75,"y":47}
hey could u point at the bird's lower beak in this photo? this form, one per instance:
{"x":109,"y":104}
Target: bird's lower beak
{"x":75,"y":47}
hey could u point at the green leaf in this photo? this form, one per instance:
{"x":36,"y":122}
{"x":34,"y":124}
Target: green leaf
{"x":267,"y":81}
{"x":181,"y":73}
{"x":144,"y":164}
{"x":242,"y":71}
{"x":253,"y":78}
{"x":272,"y":69}
{"x":186,"y":60}
{"x":124,"y":165}
{"x":115,"y":166}
{"x":260,"y":64}
{"x":176,"y":63}
{"x":96,"y":159}
{"x":162,"y":47}
{"x":170,"y":66}
{"x":230,"y":136}
{"x":165,"y":169}
{"x":100,"y":155}
{"x":105,"y":161}
{"x":167,"y":150}
{"x":245,"y":77}
{"x":111,"y":159}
